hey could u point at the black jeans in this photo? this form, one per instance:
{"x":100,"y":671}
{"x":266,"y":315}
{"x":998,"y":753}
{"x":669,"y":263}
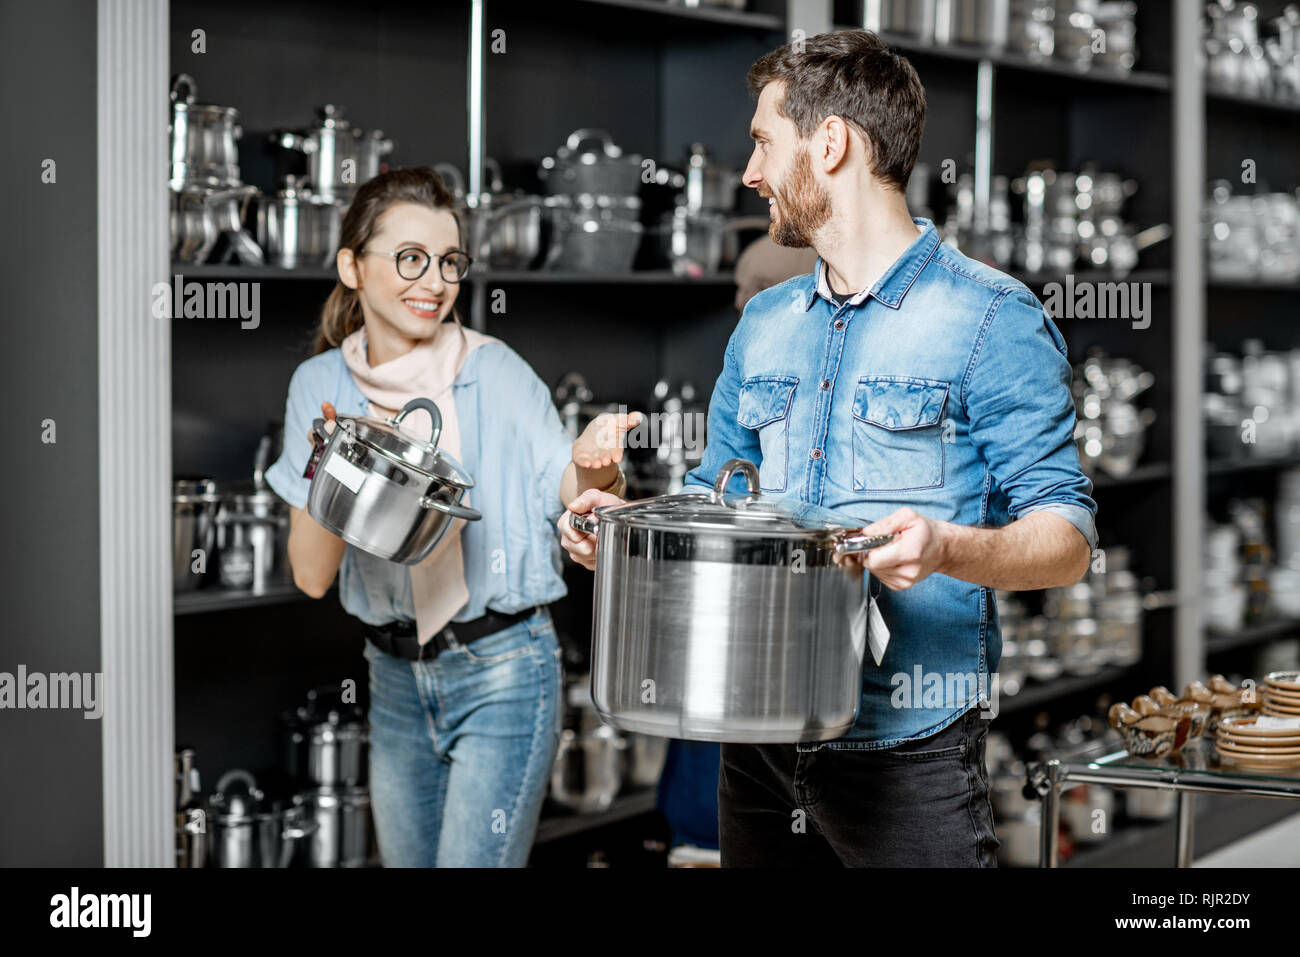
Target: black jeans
{"x":924,"y":803}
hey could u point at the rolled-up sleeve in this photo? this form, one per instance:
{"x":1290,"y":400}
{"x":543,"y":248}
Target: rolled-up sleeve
{"x":725,"y":437}
{"x":543,"y":438}
{"x":1017,"y":400}
{"x":300,"y":408}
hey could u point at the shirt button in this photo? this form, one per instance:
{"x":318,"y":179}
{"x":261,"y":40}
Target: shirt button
{"x":839,"y":323}
{"x":816,"y":453}
{"x":826,"y":384}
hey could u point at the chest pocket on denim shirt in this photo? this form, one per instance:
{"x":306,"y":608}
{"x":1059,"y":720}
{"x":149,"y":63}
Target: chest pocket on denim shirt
{"x":897,"y":433}
{"x":764,"y":406}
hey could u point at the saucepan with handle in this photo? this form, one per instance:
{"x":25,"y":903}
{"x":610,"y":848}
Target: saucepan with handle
{"x":380,"y":486}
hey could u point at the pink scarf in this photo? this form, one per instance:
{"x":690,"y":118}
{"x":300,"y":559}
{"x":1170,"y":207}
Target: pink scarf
{"x":437,"y":583}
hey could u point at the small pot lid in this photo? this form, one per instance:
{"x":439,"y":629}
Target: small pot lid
{"x":731,"y":512}
{"x":400,"y":444}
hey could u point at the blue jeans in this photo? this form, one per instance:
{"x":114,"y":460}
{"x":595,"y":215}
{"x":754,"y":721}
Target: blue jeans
{"x":461,"y":748}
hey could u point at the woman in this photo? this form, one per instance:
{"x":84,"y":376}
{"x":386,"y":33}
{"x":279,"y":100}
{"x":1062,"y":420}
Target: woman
{"x":465,"y":675}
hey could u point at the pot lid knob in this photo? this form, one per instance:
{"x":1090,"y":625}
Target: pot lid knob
{"x":729,"y":469}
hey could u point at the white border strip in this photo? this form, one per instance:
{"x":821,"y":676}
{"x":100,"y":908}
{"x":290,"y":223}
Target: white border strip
{"x":134,"y":435}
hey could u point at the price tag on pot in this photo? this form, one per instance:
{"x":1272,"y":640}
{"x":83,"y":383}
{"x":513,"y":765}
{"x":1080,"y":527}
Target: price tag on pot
{"x":877,"y":632}
{"x":349,"y":476}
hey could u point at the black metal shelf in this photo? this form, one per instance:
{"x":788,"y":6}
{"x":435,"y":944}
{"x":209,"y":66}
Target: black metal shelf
{"x":1224,"y":99}
{"x":1255,"y":285}
{"x":557,"y":826}
{"x":647,"y":277}
{"x":1040,"y":693}
{"x":1143,"y":474}
{"x":206,"y":600}
{"x":1035,"y":281}
{"x":1253,"y":635}
{"x":1231,"y":466}
{"x":702,"y":15}
{"x":1136,"y":79}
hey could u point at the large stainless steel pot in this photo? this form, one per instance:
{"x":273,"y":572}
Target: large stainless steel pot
{"x":204,"y":138}
{"x":724,"y":617}
{"x":381,"y":488}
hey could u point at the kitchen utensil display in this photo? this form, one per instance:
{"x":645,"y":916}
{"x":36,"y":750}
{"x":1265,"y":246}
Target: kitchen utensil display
{"x":1110,"y":428}
{"x":381,"y":488}
{"x":590,"y":163}
{"x":343,"y":830}
{"x":340,"y":157}
{"x":235,"y":804}
{"x":201,"y":215}
{"x":191,"y":816}
{"x":709,"y":186}
{"x":194,"y":511}
{"x":704,"y":630}
{"x":336,"y":749}
{"x":297,"y":228}
{"x":204,"y":140}
{"x":594,"y":233}
{"x":588,"y":769}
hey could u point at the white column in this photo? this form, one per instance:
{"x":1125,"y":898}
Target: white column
{"x":1189,"y":338}
{"x":134,"y":434}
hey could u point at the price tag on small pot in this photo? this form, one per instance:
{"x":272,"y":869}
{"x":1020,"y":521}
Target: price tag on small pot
{"x":877,"y":632}
{"x":349,"y":476}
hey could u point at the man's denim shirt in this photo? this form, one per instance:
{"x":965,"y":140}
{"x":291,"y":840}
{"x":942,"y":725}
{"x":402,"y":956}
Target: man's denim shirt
{"x":946,"y":389}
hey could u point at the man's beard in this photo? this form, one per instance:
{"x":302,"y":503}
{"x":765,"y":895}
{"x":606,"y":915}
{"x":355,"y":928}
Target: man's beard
{"x":803,"y":204}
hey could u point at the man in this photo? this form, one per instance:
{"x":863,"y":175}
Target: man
{"x":923,"y":393}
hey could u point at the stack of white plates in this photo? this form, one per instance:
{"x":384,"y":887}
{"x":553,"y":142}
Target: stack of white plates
{"x":1260,"y":742}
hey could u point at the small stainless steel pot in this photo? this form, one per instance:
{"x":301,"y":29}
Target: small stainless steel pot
{"x":297,"y":228}
{"x":723,"y":617}
{"x":194,"y":511}
{"x":379,"y":487}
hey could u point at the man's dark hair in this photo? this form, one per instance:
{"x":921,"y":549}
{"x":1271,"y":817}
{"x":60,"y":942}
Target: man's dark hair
{"x":853,"y":75}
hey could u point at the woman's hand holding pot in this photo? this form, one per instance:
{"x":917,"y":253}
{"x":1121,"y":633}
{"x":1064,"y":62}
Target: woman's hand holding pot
{"x":581,"y":546}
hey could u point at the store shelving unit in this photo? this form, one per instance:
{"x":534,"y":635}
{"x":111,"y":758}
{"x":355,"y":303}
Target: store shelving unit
{"x":643,"y":66}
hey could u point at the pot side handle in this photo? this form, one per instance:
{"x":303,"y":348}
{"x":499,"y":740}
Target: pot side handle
{"x":584,"y":523}
{"x":452,"y":509}
{"x":857,"y":542}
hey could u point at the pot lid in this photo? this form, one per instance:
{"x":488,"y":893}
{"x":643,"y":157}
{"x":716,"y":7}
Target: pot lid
{"x":732,"y":512}
{"x":399,"y":443}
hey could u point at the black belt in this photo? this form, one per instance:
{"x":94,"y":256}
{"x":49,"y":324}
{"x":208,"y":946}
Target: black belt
{"x":401,"y":640}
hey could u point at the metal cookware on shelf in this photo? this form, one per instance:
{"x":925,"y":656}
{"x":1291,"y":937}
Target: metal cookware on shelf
{"x":247,"y":832}
{"x":724,"y":617}
{"x":588,"y":770}
{"x":380,"y":487}
{"x":589,"y":162}
{"x":342,"y":828}
{"x":194,"y":511}
{"x":201,"y":215}
{"x":204,"y":140}
{"x":297,"y":228}
{"x":340,"y":157}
